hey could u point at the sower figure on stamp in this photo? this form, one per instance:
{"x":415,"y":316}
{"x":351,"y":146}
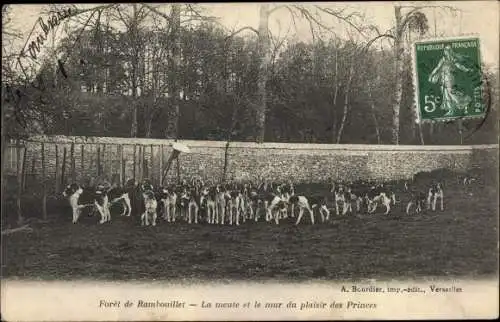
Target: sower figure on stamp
{"x":444,"y":75}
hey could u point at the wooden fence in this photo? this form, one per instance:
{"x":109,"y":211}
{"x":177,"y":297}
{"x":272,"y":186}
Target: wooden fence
{"x":43,"y":169}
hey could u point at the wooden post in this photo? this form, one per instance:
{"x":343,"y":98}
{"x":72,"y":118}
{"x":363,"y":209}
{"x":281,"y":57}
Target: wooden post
{"x":44,"y":189}
{"x":82,"y":162}
{"x":151,"y":170}
{"x":178,"y":170}
{"x":140,"y":163}
{"x":161,"y":165}
{"x":33,"y":162}
{"x":122,"y":166}
{"x":73,"y":166}
{"x":104,"y":159}
{"x":113,"y":160}
{"x":19,"y":182}
{"x":57,"y":169}
{"x":63,"y":171}
{"x":145,"y":173}
{"x":90,"y":154}
{"x":23,"y":178}
{"x":134,"y":172}
{"x":98,"y":160}
{"x":143,"y":163}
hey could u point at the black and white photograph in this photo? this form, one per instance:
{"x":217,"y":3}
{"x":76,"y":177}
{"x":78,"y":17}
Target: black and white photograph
{"x":294,"y":152}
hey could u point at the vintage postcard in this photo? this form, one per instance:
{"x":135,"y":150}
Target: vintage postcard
{"x":250,"y":161}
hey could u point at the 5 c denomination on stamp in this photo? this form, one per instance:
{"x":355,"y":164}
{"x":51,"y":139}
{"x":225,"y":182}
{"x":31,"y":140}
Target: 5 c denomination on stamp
{"x":448,"y":79}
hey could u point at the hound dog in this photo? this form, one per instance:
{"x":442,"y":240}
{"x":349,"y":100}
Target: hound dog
{"x":208,"y":197}
{"x":419,"y":199}
{"x":435,"y":193}
{"x":275,"y":205}
{"x":183,"y":202}
{"x":340,"y":198}
{"x":194,"y":204}
{"x":345,"y":196}
{"x":234,"y":206}
{"x":379,"y":195}
{"x":102,"y":204}
{"x":168,"y":199}
{"x":118,"y":194}
{"x":265,"y":194}
{"x":285,"y":191}
{"x":76,"y":196}
{"x":288,"y":190}
{"x":309,"y":204}
{"x":466,"y":179}
{"x":221,"y":198}
{"x":246,"y":209}
{"x":253,"y":203}
{"x":146,"y":186}
{"x":149,"y":215}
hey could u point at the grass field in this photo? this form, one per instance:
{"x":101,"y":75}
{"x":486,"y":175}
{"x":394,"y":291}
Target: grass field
{"x":461,"y":241}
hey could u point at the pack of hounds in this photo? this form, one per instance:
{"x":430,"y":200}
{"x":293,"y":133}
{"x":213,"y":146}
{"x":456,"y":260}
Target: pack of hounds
{"x":236,"y":203}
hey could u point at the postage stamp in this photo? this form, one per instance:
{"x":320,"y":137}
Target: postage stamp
{"x":448,"y":79}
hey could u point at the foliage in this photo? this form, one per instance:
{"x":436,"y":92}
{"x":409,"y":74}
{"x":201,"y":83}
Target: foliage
{"x":218,"y":81}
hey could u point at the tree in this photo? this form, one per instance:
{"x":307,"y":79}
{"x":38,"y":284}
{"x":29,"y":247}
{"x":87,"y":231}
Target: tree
{"x":264,"y":54}
{"x":134,"y":45}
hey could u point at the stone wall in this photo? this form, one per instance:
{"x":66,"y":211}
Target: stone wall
{"x":245,"y":160}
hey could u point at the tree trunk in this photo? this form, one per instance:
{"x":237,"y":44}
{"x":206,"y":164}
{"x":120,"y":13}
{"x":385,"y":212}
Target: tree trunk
{"x":23,"y":171}
{"x":398,"y":87}
{"x":154,"y":94}
{"x":335,"y":95}
{"x":149,"y":118}
{"x":4,"y":151}
{"x":346,"y":101}
{"x":44,"y":187}
{"x":374,"y":114}
{"x":173,"y":124}
{"x":421,"y":133}
{"x":73,"y":163}
{"x":19,"y":181}
{"x":135,"y":53}
{"x":264,"y":58}
{"x":56,"y":175}
{"x":148,"y":127}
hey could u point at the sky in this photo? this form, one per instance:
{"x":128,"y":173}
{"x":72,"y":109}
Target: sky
{"x":476,"y":17}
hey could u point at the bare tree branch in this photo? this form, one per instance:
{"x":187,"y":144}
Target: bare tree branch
{"x":200,"y":16}
{"x":306,"y":14}
{"x":276,"y":8}
{"x":369,"y":43}
{"x":292,"y":13}
{"x":346,"y":19}
{"x":155,"y":10}
{"x":240,"y":30}
{"x":75,"y":12}
{"x":420,"y":8}
{"x":11,"y":34}
{"x":126,"y":22}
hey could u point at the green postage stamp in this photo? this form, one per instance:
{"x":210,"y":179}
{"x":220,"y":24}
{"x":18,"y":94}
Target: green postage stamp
{"x":448,"y":79}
